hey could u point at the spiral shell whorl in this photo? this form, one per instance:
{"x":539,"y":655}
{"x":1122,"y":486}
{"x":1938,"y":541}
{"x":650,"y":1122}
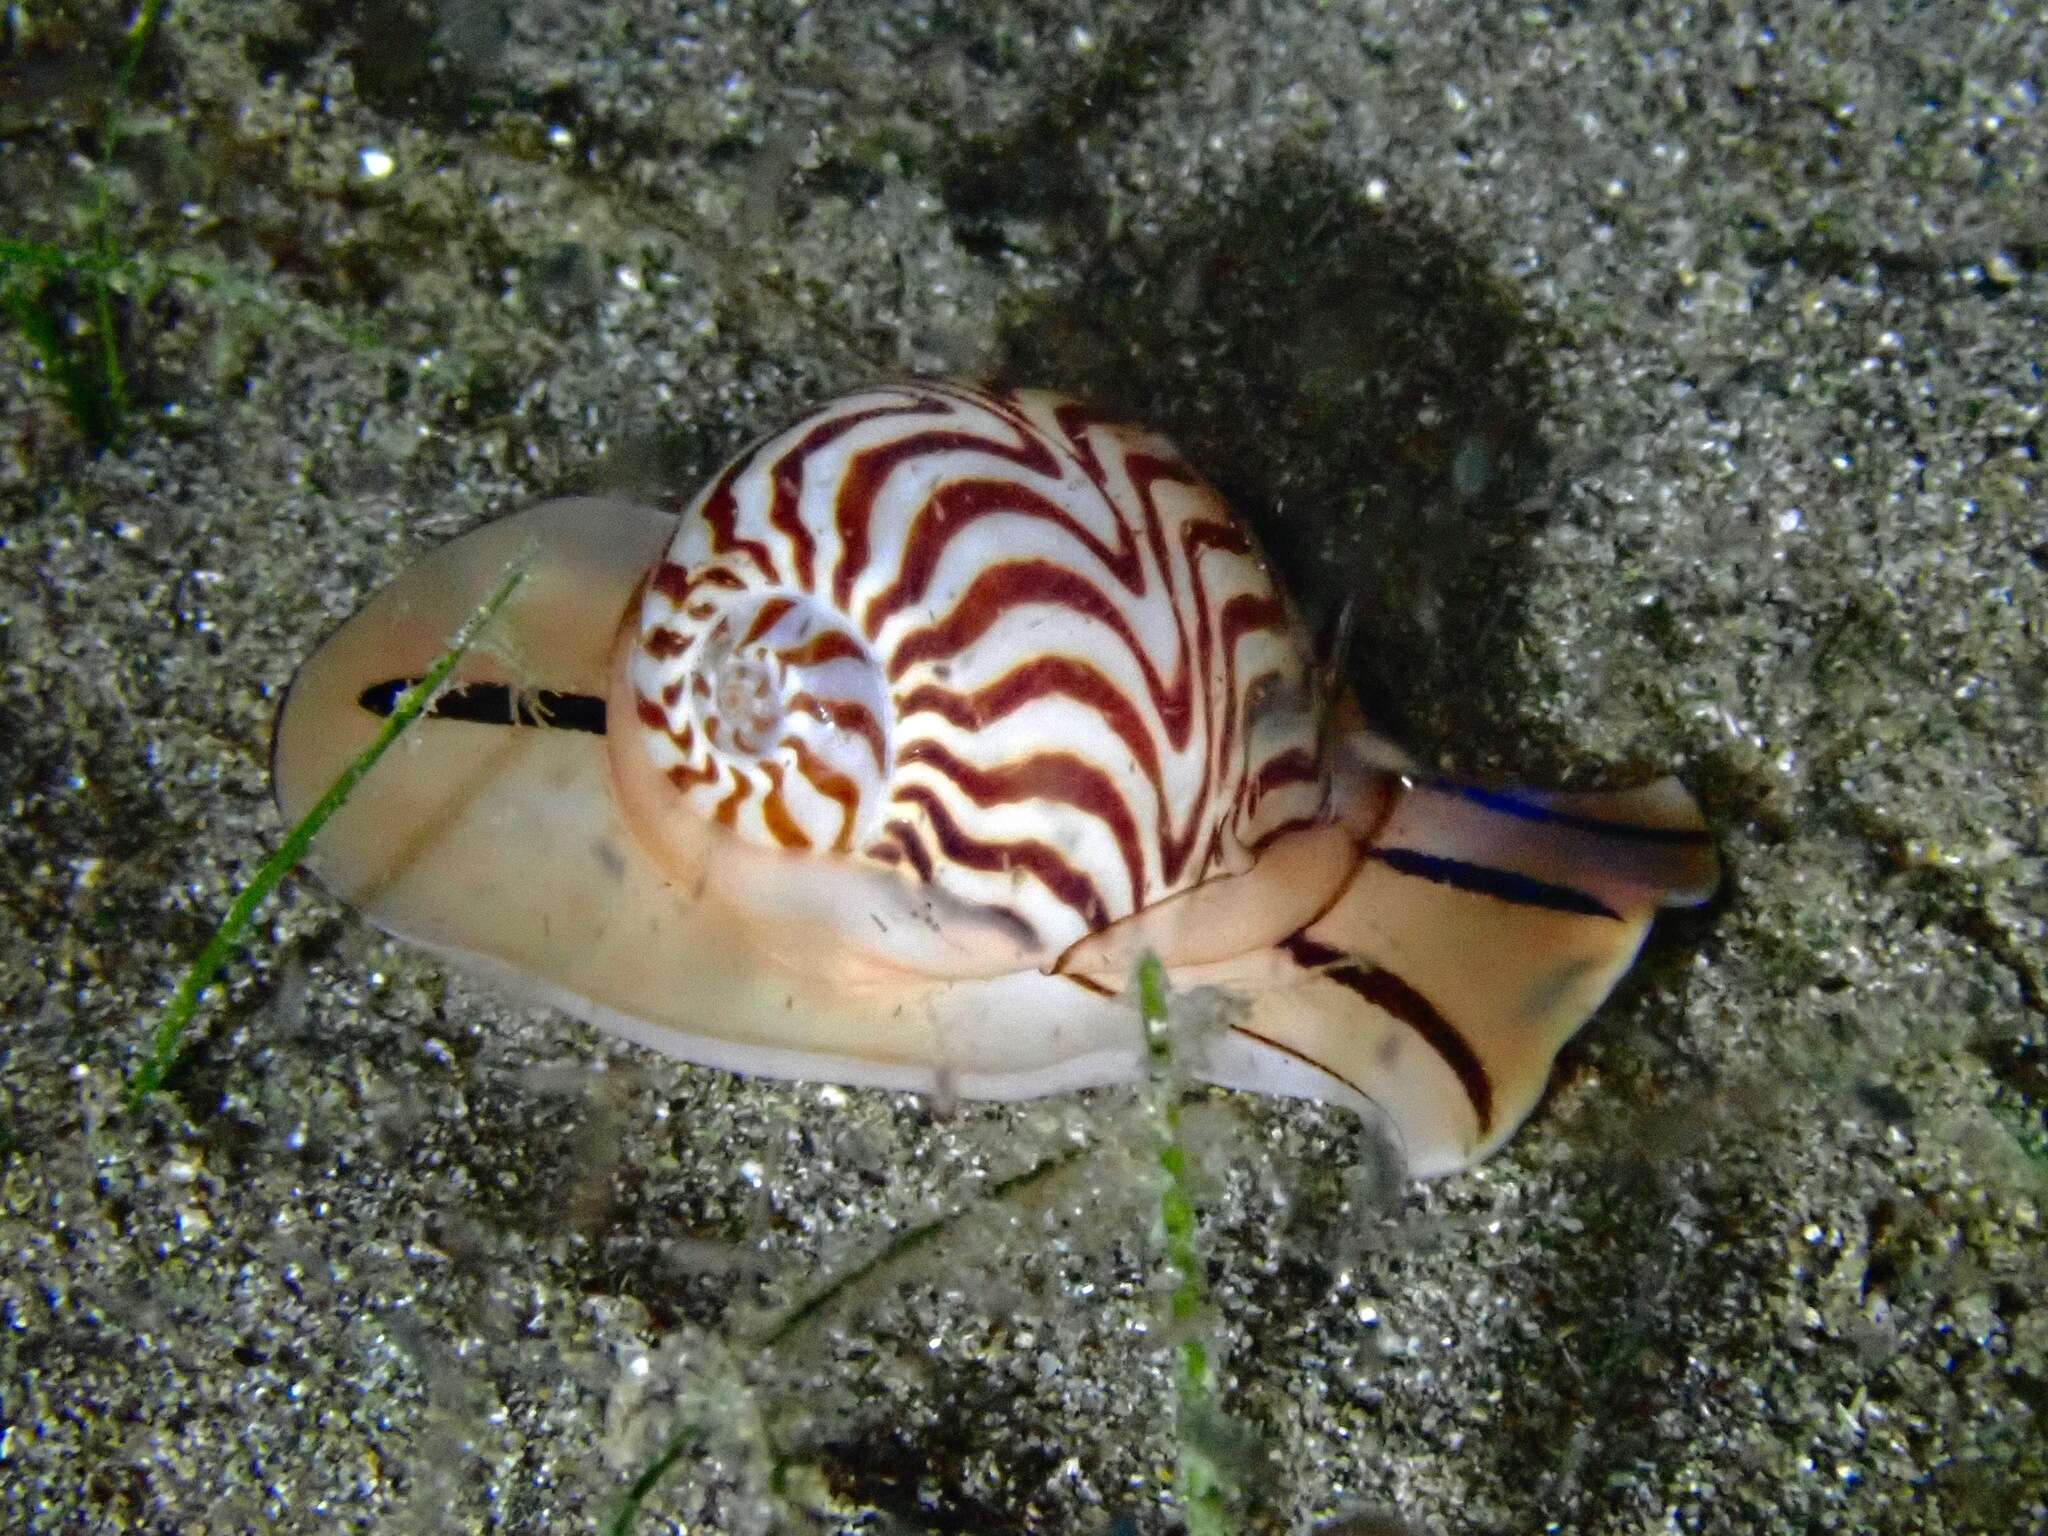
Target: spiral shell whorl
{"x":766,"y":713}
{"x":989,"y":645}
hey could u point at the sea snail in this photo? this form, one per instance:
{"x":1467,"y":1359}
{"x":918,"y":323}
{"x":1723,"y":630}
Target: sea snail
{"x":886,"y":760}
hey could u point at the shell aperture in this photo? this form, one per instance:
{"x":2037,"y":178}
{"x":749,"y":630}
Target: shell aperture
{"x":922,"y":720}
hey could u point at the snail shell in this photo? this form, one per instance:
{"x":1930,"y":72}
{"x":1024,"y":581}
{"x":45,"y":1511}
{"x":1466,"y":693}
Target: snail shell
{"x":886,"y":759}
{"x":1022,"y":678}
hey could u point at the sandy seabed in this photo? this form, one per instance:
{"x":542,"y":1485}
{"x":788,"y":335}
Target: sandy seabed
{"x":1664,"y":382}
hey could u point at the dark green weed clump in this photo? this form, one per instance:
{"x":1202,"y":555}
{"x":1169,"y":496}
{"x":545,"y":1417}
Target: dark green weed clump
{"x":63,"y":301}
{"x":74,"y":302}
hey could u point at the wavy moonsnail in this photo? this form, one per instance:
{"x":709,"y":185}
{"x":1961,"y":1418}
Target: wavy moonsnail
{"x":884,"y":762}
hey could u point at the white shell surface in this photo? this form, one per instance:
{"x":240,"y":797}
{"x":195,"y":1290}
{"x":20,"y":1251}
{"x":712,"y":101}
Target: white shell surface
{"x":1016,"y":656}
